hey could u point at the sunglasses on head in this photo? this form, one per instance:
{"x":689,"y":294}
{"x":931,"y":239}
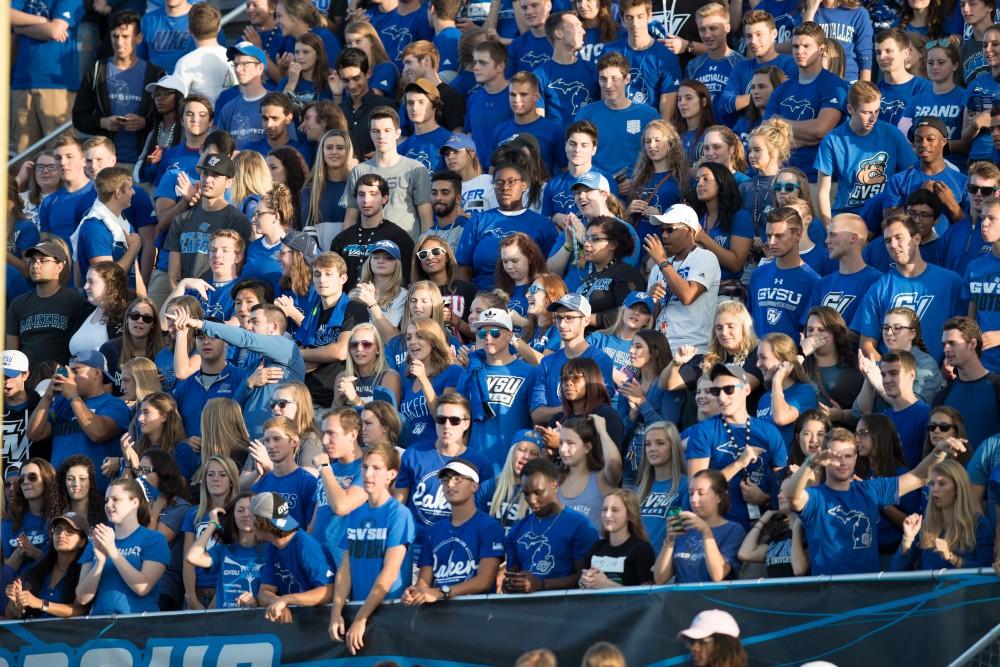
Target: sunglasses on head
{"x":785,"y":187}
{"x":982,"y":190}
{"x":728,"y":390}
{"x":135,"y":317}
{"x":937,"y":43}
{"x":493,"y":332}
{"x":29,"y":477}
{"x":430,"y":252}
{"x":939,"y":426}
{"x":145,"y":470}
{"x":454,"y":421}
{"x":280,"y":403}
{"x":362,"y":344}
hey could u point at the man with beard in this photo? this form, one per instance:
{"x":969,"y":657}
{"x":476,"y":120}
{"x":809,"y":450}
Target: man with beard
{"x":277,"y":114}
{"x":446,"y":202}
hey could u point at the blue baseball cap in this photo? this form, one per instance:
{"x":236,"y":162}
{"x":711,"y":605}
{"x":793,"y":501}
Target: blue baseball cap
{"x":592,"y":181}
{"x":639,"y":297}
{"x":528,"y":435}
{"x":248,"y":49}
{"x":94,"y":359}
{"x":388,"y":247}
{"x":457,"y":141}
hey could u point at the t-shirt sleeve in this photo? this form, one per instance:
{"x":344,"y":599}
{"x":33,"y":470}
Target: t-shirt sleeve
{"x":466,"y":243}
{"x":642,"y":561}
{"x":268,"y":577}
{"x":698,"y":446}
{"x":584,"y":537}
{"x":420,"y":185}
{"x":813,"y":509}
{"x":95,"y":241}
{"x":156,"y":548}
{"x":491,"y":544}
{"x":314,"y":566}
{"x":404,"y":480}
{"x":188,"y":525}
{"x":868,"y":319}
{"x":824,"y":156}
{"x":426,"y":550}
{"x":401,"y":528}
{"x":730,"y":545}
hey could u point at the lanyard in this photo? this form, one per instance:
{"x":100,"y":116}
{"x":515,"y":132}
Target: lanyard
{"x":732,"y":438}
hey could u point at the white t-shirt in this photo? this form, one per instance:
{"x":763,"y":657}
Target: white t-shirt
{"x":206,"y":71}
{"x":478,"y":195}
{"x":691,"y":324}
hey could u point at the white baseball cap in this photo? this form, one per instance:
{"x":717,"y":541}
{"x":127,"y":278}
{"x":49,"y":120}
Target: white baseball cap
{"x":494,"y":317}
{"x":678,"y":214}
{"x":15,"y":362}
{"x":711,"y":622}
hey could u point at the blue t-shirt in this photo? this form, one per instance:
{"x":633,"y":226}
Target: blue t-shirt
{"x":862,"y":164}
{"x":715,"y":75}
{"x":58,"y":212}
{"x":548,"y":133}
{"x":935,"y":295}
{"x":371,"y":532}
{"x":446,"y":42}
{"x":779,"y":298}
{"x":547,"y":392}
{"x":413,"y":408}
{"x":655,"y":71}
{"x":484,"y":111}
{"x":557,"y":197}
{"x":742,"y":226}
{"x":620,"y":133}
{"x":963,"y":243}
{"x":125,"y":90}
{"x":454,"y":552}
{"x":418,"y":473}
{"x":165,"y":39}
{"x":526,"y":52}
{"x":262,"y":262}
{"x":897,"y":96}
{"x":425,"y":148}
{"x":618,"y":349}
{"x":33,"y":526}
{"x":113,"y":594}
{"x":843,"y":292}
{"x":840,"y":525}
{"x":709,"y":439}
{"x":976,"y":401}
{"x":48,"y":64}
{"x":203,"y":577}
{"x":911,"y":425}
{"x":984,"y":95}
{"x":549,"y":547}
{"x":241,"y":118}
{"x":742,"y":74}
{"x":329,"y":527}
{"x":191,"y":394}
{"x":299,"y":567}
{"x":800,"y":395}
{"x":69,"y":439}
{"x":398,"y":31}
{"x":566,"y":88}
{"x":689,"y":552}
{"x":479,"y":246}
{"x":793,"y":100}
{"x":662,"y":496}
{"x":509,"y":389}
{"x":96,"y":240}
{"x":237,"y":570}
{"x":298,"y":488}
{"x":949,"y":107}
{"x":982,"y":288}
{"x":853,"y":29}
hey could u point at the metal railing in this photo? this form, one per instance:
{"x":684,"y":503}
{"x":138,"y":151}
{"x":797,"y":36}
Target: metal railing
{"x":231,"y":16}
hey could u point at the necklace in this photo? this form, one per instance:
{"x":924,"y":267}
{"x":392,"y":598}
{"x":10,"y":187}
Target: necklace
{"x":535,"y":524}
{"x":371,"y":234}
{"x":756,"y":203}
{"x":169,"y":140}
{"x":732,"y":438}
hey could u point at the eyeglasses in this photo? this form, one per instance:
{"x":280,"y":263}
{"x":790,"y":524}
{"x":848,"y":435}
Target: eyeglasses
{"x":923,"y":215}
{"x":258,"y":213}
{"x":362,"y":344}
{"x":508,"y":183}
{"x":61,"y":528}
{"x":572,"y":377}
{"x":41,"y":259}
{"x":535,"y":289}
{"x":493,"y":332}
{"x":568,"y":318}
{"x":244,"y":63}
{"x":46,"y":167}
{"x":862,"y":432}
{"x":894,"y":328}
{"x":939,"y":426}
{"x":281,"y":403}
{"x":430,"y":252}
{"x":145,"y":470}
{"x":728,"y":390}
{"x":984,"y":190}
{"x":450,"y":419}
{"x":594,"y":239}
{"x":31,"y":477}
{"x":785,"y":187}
{"x":135,"y":317}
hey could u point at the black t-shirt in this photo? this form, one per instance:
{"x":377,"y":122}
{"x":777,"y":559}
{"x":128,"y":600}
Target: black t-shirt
{"x":355,"y":244}
{"x":191,"y":233}
{"x":16,"y":446}
{"x":358,"y":121}
{"x":459,"y":297}
{"x":44,"y":326}
{"x":453,"y":114}
{"x":320,"y":381}
{"x":606,"y":290}
{"x":628,"y":564}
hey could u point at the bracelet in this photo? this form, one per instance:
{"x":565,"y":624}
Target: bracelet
{"x":215,"y":524}
{"x":71,"y":398}
{"x":664,"y":264}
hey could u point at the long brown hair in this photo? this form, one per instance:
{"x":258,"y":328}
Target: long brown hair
{"x":154,"y":340}
{"x":134,"y":490}
{"x":50,"y":494}
{"x":960,"y":533}
{"x":597,"y":392}
{"x":117,"y":294}
{"x":173,"y":425}
{"x":531,"y":252}
{"x":321,"y":70}
{"x":635,"y":527}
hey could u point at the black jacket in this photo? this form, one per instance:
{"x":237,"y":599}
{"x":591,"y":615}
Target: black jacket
{"x":92,"y":101}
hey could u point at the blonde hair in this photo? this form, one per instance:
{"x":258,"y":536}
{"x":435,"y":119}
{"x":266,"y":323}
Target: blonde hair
{"x":777,"y":134}
{"x":234,"y":484}
{"x":631,"y":502}
{"x":393,"y":286}
{"x":506,"y":486}
{"x":605,"y":654}
{"x":647,"y":474}
{"x":432,"y":332}
{"x":223,"y":430}
{"x":305,"y":420}
{"x":146,"y":376}
{"x":380,"y":364}
{"x":365,"y":29}
{"x":960,"y":534}
{"x":737,"y":156}
{"x":437,"y":302}
{"x":716,"y":353}
{"x":677,"y":162}
{"x":252,"y":176}
{"x":321,"y":175}
{"x":785,"y":349}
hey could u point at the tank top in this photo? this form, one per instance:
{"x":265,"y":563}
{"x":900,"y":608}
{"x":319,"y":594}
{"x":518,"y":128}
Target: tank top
{"x":587,"y":503}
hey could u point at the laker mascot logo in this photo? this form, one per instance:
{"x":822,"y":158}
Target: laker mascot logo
{"x":870,"y":179}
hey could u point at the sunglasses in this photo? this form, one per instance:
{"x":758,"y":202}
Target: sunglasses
{"x":280,"y":403}
{"x":362,"y":344}
{"x":937,"y":43}
{"x":728,"y":390}
{"x":939,"y":426}
{"x":454,"y":421}
{"x":785,"y":187}
{"x":431,"y":252}
{"x":135,"y":317}
{"x":535,"y":289}
{"x":60,"y":528}
{"x":493,"y":332}
{"x":983,"y":190}
{"x":145,"y":470}
{"x":573,"y":377}
{"x":31,"y":477}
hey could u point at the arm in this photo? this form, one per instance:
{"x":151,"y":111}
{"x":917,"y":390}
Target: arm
{"x":752,"y":551}
{"x":733,"y":258}
{"x":197,"y":554}
{"x":394,"y":557}
{"x":141,"y":582}
{"x":148,"y":255}
{"x":687,"y":291}
{"x":668,"y":102}
{"x":90,"y":577}
{"x":805,"y":475}
{"x":386,"y":329}
{"x":612,"y":471}
{"x":715,"y":562}
{"x":330,"y":353}
{"x":174,"y":268}
{"x":350,"y":217}
{"x":823,"y":197}
{"x":782,"y":413}
{"x":39,"y":427}
{"x":95,"y":427}
{"x":811,"y":132}
{"x":916,"y":478}
{"x":185,"y":365}
{"x":800,"y":557}
{"x":311,"y":598}
{"x":342,"y":501}
{"x":188,"y":574}
{"x":425,"y":212}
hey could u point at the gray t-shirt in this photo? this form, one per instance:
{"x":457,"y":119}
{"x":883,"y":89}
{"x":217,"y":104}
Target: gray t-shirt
{"x":191,"y":233}
{"x":409,"y":187}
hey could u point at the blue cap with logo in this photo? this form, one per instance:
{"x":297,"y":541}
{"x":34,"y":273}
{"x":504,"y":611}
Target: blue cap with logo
{"x":94,"y":359}
{"x":273,"y":507}
{"x":388,"y":247}
{"x":248,"y":49}
{"x":457,"y":141}
{"x":528,"y":435}
{"x":639,"y":297}
{"x":592,"y":181}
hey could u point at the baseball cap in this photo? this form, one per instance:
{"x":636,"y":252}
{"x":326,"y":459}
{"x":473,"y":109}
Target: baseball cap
{"x":388,"y":247}
{"x":932,"y":121}
{"x":424,"y":86}
{"x":248,"y":49}
{"x":732,"y":370}
{"x":214,"y":163}
{"x":170,"y":82}
{"x":521,"y":140}
{"x":304,"y":243}
{"x":15,"y":362}
{"x":528,"y":435}
{"x":93,"y":359}
{"x":78,"y":521}
{"x":711,"y":622}
{"x":572,"y":302}
{"x":49,"y":248}
{"x":273,"y":507}
{"x":639,"y":297}
{"x":678,"y":214}
{"x":461,"y":467}
{"x":592,"y":181}
{"x":457,"y":141}
{"x":495,"y":317}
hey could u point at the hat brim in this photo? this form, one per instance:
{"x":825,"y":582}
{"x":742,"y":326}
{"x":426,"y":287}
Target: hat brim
{"x":12,"y":372}
{"x":694,"y":633}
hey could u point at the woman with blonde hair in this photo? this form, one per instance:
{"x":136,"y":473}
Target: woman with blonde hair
{"x":953,"y":533}
{"x":422,"y":300}
{"x":366,"y":370}
{"x":224,"y":433}
{"x":219,"y":484}
{"x":721,"y":145}
{"x":140,"y":378}
{"x":293,"y":400}
{"x":381,"y":282}
{"x":660,"y":177}
{"x":662,"y":483}
{"x":251,"y":181}
{"x":322,"y":214}
{"x":273,"y":216}
{"x":500,"y":496}
{"x":769,"y":146}
{"x":623,"y":556}
{"x":429,"y":372}
{"x":790,"y":393}
{"x":383,"y":76}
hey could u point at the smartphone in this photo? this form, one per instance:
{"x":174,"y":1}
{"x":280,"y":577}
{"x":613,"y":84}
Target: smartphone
{"x":63,"y":371}
{"x":620,"y":174}
{"x":674,"y":517}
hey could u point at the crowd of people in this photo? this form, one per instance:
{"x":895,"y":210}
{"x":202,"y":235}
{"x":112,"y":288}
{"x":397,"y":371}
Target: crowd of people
{"x":422,"y":300}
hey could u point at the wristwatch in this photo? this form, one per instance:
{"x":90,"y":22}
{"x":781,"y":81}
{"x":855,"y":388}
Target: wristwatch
{"x":446,"y":592}
{"x":45,"y":606}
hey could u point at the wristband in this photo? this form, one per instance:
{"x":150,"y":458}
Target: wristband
{"x":74,"y":396}
{"x":215,"y":524}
